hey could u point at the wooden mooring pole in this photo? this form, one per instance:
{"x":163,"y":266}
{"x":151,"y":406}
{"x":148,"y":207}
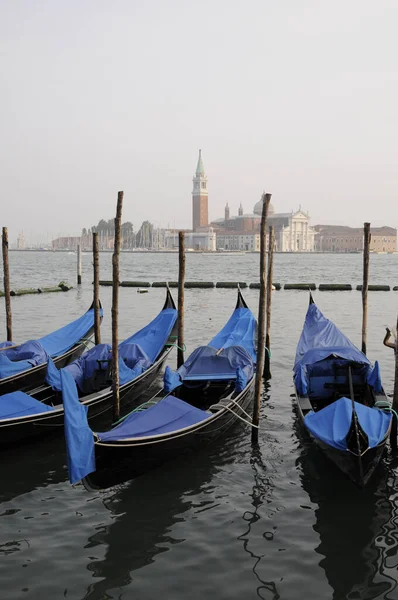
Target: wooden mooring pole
{"x":181,"y":280}
{"x":271,"y":245}
{"x":97,"y":316}
{"x":394,"y":425}
{"x":79,"y":264}
{"x":365,"y":283}
{"x":115,"y":309}
{"x":7,"y":295}
{"x":261,"y":320}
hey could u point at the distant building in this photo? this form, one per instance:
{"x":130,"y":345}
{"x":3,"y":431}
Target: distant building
{"x":194,"y":240}
{"x":21,"y":241}
{"x":339,"y":238}
{"x":249,"y":242}
{"x":292,"y":230}
{"x":200,"y":200}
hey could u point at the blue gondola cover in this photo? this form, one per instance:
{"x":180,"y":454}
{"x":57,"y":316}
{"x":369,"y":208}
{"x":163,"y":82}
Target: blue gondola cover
{"x":321,"y":339}
{"x":36,"y":352}
{"x":78,"y":435}
{"x":240,"y":330}
{"x":169,"y":414}
{"x":23,"y":357}
{"x":136,"y":354}
{"x":19,"y":404}
{"x":208,"y":364}
{"x":65,"y":338}
{"x":332,"y":423}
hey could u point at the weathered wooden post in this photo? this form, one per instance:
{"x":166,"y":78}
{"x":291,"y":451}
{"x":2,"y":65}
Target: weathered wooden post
{"x":261,"y":320}
{"x":365,"y":282}
{"x":7,"y":295}
{"x":79,"y":264}
{"x":395,"y":397}
{"x":97,"y":316}
{"x":394,"y":426}
{"x":271,"y":244}
{"x":181,"y":280}
{"x":115,"y":308}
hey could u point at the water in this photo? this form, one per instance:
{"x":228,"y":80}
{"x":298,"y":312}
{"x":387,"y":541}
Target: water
{"x":229,"y":522}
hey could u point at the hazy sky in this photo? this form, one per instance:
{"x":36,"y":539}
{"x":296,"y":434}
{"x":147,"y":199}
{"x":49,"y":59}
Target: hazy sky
{"x":299,"y":98}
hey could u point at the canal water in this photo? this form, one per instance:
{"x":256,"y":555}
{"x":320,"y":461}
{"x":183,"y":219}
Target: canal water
{"x":231,"y":522}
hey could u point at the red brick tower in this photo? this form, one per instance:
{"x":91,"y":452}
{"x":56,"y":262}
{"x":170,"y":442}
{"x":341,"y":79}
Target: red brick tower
{"x":200,"y":200}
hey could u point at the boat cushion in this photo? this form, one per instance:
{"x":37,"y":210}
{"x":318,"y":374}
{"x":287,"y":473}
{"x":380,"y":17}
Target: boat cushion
{"x":208,"y":364}
{"x":332,"y":423}
{"x":19,"y":404}
{"x":168,"y":415}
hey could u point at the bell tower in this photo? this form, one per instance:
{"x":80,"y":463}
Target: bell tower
{"x":200,"y":201}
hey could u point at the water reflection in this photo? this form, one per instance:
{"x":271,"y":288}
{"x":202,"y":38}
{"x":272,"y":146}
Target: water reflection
{"x":144,"y":513}
{"x":261,"y":492}
{"x":31,"y":466}
{"x":354,"y":527}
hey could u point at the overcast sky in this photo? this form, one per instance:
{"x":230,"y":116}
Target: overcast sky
{"x":296,"y":98}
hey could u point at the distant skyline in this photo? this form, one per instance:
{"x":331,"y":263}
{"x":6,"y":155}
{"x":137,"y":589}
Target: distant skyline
{"x":298,"y":99}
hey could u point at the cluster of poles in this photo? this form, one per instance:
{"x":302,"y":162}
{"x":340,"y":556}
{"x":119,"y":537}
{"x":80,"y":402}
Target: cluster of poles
{"x":264,"y":311}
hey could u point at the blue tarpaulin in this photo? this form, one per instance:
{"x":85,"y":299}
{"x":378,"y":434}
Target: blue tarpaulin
{"x":23,"y":357}
{"x":321,"y":339}
{"x":208,"y":364}
{"x":19,"y":404}
{"x":36,"y":352}
{"x":169,"y":414}
{"x":64,"y":339}
{"x":240,"y":330}
{"x":136,"y":354}
{"x":332,"y":423}
{"x":6,"y":344}
{"x":153,"y":337}
{"x":78,"y":435}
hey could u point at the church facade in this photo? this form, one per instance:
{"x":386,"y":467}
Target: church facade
{"x":292,"y":230}
{"x":241,"y":232}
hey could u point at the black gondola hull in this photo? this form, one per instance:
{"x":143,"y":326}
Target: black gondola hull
{"x":16,"y":430}
{"x":346,"y":461}
{"x":350,"y":464}
{"x":117,"y":462}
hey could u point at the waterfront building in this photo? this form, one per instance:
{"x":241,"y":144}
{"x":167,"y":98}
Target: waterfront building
{"x":340,"y":238}
{"x":200,"y":199}
{"x":247,"y":242}
{"x":204,"y":241}
{"x":21,"y":241}
{"x":292,"y":230}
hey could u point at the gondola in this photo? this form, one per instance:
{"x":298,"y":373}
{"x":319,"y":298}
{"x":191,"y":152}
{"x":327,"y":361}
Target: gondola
{"x":141,"y":357}
{"x":23,"y":366}
{"x":199,"y":401}
{"x":340,"y":398}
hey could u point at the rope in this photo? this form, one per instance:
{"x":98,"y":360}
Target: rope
{"x":183,"y":349}
{"x":251,"y":424}
{"x":386,"y":405}
{"x":139,"y":408}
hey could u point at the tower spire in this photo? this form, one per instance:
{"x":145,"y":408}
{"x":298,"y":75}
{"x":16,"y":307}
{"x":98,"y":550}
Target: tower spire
{"x":200,"y":170}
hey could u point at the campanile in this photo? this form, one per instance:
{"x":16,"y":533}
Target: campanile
{"x":200,"y":200}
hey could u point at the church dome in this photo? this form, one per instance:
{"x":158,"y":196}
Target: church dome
{"x":258,"y":208}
